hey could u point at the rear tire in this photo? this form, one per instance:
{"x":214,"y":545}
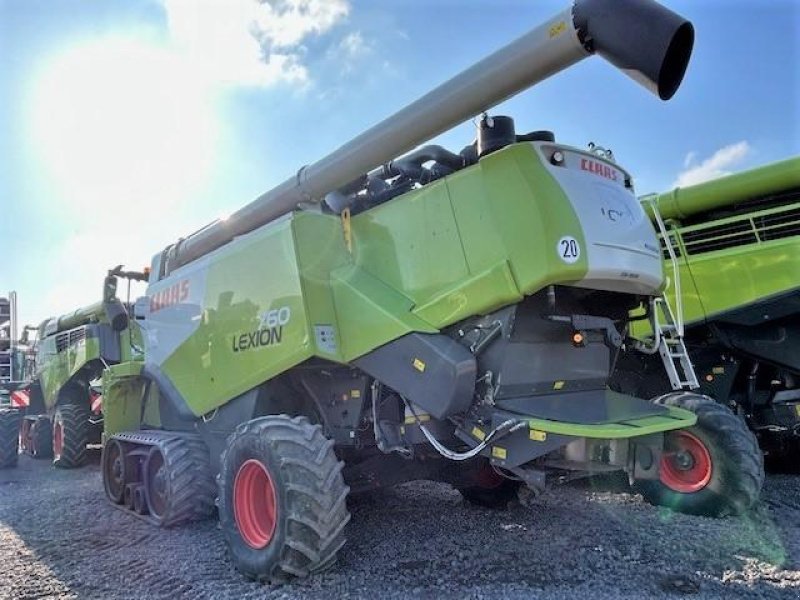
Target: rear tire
{"x":490,"y":489}
{"x":9,"y":437}
{"x":70,"y":436}
{"x":716,"y":467}
{"x":282,"y":499}
{"x":42,"y":438}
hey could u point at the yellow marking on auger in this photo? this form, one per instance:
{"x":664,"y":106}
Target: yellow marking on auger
{"x":558,"y":29}
{"x":498,"y":452}
{"x":419,"y":365}
{"x":356,"y":394}
{"x":538,"y":436}
{"x":478,"y":433}
{"x":718,"y":370}
{"x":559,"y":385}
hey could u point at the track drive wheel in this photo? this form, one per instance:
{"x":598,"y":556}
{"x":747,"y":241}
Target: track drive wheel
{"x":282,"y":499}
{"x":177,"y":480}
{"x":10,"y":419}
{"x":118,"y":469}
{"x":41,"y":438}
{"x":70,"y":435}
{"x":714,"y":468}
{"x":490,"y":489}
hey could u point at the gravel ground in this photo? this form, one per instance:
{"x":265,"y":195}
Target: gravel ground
{"x":59,"y":538}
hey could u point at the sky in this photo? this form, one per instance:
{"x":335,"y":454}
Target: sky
{"x":126,"y":124}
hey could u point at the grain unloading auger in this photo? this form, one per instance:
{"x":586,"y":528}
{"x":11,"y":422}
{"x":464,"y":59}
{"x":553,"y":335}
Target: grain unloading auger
{"x":448,"y":316}
{"x":734,"y":260}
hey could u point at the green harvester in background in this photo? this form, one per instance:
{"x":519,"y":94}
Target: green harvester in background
{"x":734,"y":261}
{"x":64,"y":412}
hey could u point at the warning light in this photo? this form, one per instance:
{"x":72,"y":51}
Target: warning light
{"x":578,"y":339}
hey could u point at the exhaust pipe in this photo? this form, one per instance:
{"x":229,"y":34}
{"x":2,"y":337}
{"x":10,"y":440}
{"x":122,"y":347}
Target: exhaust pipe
{"x":647,"y":41}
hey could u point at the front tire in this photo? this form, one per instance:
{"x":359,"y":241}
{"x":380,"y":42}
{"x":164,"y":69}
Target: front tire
{"x":70,"y":436}
{"x":282,"y":499}
{"x":714,"y":468}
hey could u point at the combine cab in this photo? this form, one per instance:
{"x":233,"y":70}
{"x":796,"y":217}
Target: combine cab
{"x":446,"y":316}
{"x":734,"y":257}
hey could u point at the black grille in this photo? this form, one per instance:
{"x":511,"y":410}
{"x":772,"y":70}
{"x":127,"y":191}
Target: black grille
{"x":69,"y":338}
{"x":743,"y":231}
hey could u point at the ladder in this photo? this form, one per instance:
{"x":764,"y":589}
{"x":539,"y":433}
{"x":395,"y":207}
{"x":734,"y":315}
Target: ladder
{"x":667,"y":328}
{"x":672,"y":349}
{"x":8,"y":337}
{"x":5,"y":341}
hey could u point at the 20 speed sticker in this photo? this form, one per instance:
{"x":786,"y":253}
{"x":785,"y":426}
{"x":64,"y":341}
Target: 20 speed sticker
{"x":569,"y":250}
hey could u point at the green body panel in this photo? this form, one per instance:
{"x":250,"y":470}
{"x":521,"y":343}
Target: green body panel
{"x":264,"y":271}
{"x":458,"y":247}
{"x":123,"y":392}
{"x":677,"y":418}
{"x":462,"y":246}
{"x":57,"y":369}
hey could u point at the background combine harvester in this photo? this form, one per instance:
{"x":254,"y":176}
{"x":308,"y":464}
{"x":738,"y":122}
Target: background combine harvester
{"x":62,"y":415}
{"x":445,"y":316}
{"x":734,"y":253}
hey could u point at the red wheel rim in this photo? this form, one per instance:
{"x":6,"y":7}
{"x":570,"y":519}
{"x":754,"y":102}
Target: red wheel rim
{"x":254,"y":504}
{"x":58,"y":440}
{"x":686,"y":465}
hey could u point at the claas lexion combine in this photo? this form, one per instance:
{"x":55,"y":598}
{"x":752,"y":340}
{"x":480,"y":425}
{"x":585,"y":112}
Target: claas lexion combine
{"x":62,"y":415}
{"x":382,"y":317}
{"x":734,"y":260}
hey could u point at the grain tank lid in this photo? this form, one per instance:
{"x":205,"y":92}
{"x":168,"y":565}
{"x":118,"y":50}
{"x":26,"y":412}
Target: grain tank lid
{"x":681,"y":203}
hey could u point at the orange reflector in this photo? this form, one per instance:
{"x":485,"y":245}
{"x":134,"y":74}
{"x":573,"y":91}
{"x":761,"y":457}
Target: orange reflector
{"x":578,"y":339}
{"x":709,"y":378}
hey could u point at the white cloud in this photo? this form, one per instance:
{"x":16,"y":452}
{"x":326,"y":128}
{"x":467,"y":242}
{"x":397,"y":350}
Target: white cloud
{"x":717,"y":165}
{"x":251,"y":42}
{"x":349,"y":52}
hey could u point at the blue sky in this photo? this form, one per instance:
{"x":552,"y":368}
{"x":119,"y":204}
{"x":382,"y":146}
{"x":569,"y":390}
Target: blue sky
{"x":125,"y":124}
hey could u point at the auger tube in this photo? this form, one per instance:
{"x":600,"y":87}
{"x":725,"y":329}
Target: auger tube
{"x":647,"y":41}
{"x":726,"y":191}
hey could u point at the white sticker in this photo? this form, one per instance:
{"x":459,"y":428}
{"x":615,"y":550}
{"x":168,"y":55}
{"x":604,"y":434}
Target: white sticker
{"x":569,"y":250}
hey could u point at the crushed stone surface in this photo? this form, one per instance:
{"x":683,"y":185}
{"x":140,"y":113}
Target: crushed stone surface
{"x":60,"y":538}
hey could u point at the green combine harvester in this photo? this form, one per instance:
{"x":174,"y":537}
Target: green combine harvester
{"x":63,"y":415}
{"x":383,"y":317}
{"x":734,"y":260}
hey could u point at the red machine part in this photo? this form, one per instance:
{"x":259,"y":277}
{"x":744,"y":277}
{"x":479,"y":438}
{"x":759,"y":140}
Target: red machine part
{"x":20,"y":398}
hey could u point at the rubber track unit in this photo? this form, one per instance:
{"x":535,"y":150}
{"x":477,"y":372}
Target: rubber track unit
{"x":9,"y":437}
{"x":74,"y":420}
{"x":190,"y":481}
{"x":738,"y":461}
{"x":312,"y":495}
